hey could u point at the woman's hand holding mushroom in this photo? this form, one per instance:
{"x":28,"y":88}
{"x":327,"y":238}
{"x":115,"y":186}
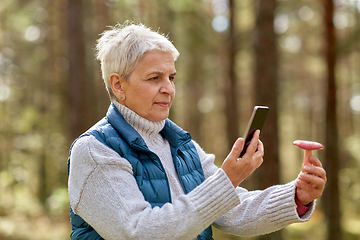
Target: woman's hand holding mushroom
{"x":311,"y":181}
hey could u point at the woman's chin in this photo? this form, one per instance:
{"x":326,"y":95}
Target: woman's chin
{"x":159,"y":117}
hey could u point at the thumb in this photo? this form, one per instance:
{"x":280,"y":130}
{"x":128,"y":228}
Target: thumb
{"x":236,"y":149}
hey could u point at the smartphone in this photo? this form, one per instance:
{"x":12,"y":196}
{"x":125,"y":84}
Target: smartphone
{"x":256,"y":121}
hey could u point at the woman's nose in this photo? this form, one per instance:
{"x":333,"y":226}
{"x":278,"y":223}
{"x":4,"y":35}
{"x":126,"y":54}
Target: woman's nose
{"x":168,"y":87}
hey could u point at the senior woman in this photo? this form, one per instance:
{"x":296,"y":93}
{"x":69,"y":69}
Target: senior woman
{"x":137,"y":175}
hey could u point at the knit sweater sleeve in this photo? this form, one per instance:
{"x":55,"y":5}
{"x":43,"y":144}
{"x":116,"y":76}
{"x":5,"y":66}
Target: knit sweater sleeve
{"x":103,"y":191}
{"x":259,"y":212}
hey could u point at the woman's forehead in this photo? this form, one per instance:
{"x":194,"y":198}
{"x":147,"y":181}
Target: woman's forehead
{"x":157,"y":61}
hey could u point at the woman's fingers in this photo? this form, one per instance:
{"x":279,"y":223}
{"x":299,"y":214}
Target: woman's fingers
{"x":260,"y":149}
{"x":313,"y":174}
{"x":312,"y":180}
{"x":314,"y":161}
{"x":315,"y":168}
{"x":236,"y":149}
{"x":237,"y":169}
{"x":253,"y":146}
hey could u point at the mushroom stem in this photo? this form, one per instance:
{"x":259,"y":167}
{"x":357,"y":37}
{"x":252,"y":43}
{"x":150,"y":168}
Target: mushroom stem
{"x":307,"y":155}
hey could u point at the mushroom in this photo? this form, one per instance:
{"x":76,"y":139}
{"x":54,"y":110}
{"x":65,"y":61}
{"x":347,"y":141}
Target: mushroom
{"x":308,"y":146}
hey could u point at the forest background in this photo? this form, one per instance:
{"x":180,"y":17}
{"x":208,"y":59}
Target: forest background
{"x":300,"y":58}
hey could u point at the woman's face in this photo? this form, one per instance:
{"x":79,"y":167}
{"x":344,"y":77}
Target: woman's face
{"x":149,"y":90}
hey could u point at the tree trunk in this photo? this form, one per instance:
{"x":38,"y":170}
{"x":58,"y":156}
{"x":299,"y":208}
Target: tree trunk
{"x":195,"y":93}
{"x":332,"y":163}
{"x":266,"y":92}
{"x":231,"y":86}
{"x":101,"y":99}
{"x":77,"y":70}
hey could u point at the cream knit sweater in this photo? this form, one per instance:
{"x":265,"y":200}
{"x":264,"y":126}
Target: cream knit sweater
{"x":103,"y":191}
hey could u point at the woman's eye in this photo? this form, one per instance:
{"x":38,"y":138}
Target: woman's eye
{"x":171,"y":79}
{"x":154,"y":78}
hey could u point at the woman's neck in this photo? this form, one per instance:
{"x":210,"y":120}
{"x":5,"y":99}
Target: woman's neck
{"x":147,"y":129}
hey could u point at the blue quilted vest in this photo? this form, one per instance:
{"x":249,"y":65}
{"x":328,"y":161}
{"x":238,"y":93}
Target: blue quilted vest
{"x":116,"y":133}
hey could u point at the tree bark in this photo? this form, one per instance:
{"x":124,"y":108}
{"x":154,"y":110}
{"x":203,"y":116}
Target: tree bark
{"x":332,"y":162}
{"x":231,"y":109}
{"x":101,"y":99}
{"x":266,"y":89}
{"x":77,"y":70}
{"x":266,"y":93}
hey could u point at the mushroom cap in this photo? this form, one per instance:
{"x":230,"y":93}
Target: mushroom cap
{"x":308,"y":145}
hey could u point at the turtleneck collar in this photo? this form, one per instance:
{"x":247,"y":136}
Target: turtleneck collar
{"x":148,"y":130}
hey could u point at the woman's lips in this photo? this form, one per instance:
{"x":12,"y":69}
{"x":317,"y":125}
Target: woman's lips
{"x":163,"y":104}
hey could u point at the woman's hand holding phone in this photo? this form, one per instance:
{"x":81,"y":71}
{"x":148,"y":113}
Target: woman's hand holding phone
{"x":256,"y":121}
{"x":238,"y":169}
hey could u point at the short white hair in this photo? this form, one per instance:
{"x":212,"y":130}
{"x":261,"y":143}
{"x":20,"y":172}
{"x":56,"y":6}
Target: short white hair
{"x":120,"y":49}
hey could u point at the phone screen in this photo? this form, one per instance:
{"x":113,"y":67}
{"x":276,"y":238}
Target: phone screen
{"x":256,"y":121}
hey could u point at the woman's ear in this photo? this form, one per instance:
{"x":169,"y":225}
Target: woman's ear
{"x":117,"y":82}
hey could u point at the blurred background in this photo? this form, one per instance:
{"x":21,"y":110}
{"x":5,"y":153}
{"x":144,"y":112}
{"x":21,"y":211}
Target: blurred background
{"x":300,"y":58}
